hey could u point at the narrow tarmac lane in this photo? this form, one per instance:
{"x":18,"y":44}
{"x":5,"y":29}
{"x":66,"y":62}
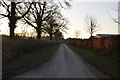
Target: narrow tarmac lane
{"x":64,"y":64}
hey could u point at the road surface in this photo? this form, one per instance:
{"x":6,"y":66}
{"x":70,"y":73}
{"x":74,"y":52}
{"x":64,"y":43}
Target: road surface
{"x":64,"y":64}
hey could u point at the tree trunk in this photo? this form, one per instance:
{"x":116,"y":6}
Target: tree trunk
{"x":50,"y":32}
{"x":12,"y":19}
{"x":39,"y":30}
{"x":38,"y":34}
{"x":12,"y":28}
{"x":39,"y":22}
{"x":50,"y":37}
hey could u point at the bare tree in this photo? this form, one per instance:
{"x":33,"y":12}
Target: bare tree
{"x":54,"y":25}
{"x":77,"y":33}
{"x":38,"y":15}
{"x":12,"y":13}
{"x":42,"y":13}
{"x":64,"y":3}
{"x":58,"y":36}
{"x":92,"y":25}
{"x":35,"y":17}
{"x":117,"y":20}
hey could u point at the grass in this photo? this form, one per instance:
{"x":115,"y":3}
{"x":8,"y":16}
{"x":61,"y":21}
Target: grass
{"x":14,"y":48}
{"x":31,"y":60}
{"x":19,"y":55}
{"x":103,"y":63}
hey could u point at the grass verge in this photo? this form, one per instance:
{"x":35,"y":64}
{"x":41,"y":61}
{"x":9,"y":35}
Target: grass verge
{"x":28,"y":61}
{"x":103,"y":63}
{"x":20,"y":55}
{"x":31,"y":59}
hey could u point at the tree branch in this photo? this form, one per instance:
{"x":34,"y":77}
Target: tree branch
{"x":43,"y":10}
{"x":30,"y":24}
{"x":25,"y":12}
{"x":46,"y":17}
{"x":116,"y":21}
{"x":36,"y":8}
{"x":40,"y":6}
{"x":4,"y":15}
{"x":5,"y":6}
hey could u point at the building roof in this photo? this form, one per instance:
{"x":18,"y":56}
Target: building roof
{"x":106,"y":35}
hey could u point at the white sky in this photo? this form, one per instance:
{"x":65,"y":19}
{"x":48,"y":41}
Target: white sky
{"x":100,"y":9}
{"x":96,"y":0}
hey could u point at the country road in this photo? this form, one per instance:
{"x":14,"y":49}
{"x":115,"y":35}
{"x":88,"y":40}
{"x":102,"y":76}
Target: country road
{"x":64,"y":64}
